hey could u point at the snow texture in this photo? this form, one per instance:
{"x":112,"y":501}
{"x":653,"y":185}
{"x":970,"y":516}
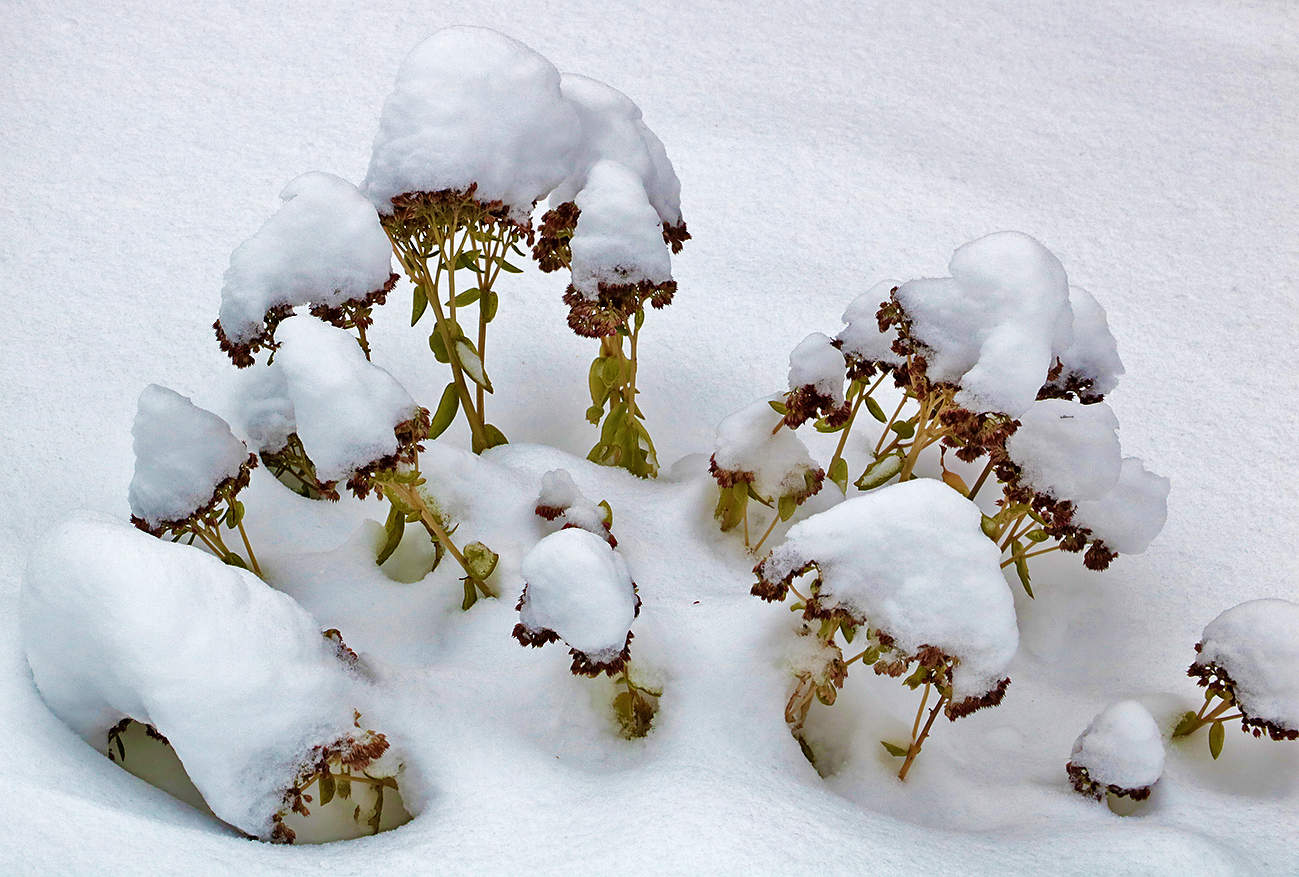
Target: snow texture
{"x":579,"y":587}
{"x":1132,"y":513}
{"x":911,"y":559}
{"x":345,"y":406}
{"x":861,"y":338}
{"x":1256,"y":643}
{"x":473,"y":106}
{"x":234,"y":674}
{"x":265,"y":411}
{"x":323,"y":246}
{"x":1067,"y":450}
{"x":619,"y":237}
{"x":559,"y":492}
{"x":182,"y":452}
{"x":1094,"y":353}
{"x":997,"y":324}
{"x":817,"y":363}
{"x":1121,"y":747}
{"x":778,"y":461}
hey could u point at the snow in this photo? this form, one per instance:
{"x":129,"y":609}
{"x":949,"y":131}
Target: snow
{"x":579,"y":587}
{"x":473,"y":106}
{"x":911,"y":559}
{"x":817,"y":363}
{"x":234,"y":674}
{"x":561,"y":501}
{"x":748,"y":443}
{"x":1132,"y":513}
{"x":1067,"y":450}
{"x":861,"y":339}
{"x":265,"y":411}
{"x":619,"y":237}
{"x":1094,"y":353}
{"x":1256,"y":643}
{"x":323,"y":246}
{"x":182,"y":453}
{"x":1121,"y":747}
{"x":345,"y":406}
{"x":996,"y":325}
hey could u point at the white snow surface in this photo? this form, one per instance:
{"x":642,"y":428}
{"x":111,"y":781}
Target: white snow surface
{"x":912,"y":559}
{"x":1094,"y":352}
{"x":323,"y":246}
{"x":1151,"y":145}
{"x":861,"y":336}
{"x":559,"y":491}
{"x":996,"y":325}
{"x":619,"y":238}
{"x":265,"y":411}
{"x":182,"y":452}
{"x":345,"y":406}
{"x":235,"y":674}
{"x":817,"y":363}
{"x":1257,"y":644}
{"x":1121,"y":747}
{"x":1067,"y":450}
{"x":472,"y":105}
{"x":748,"y":441}
{"x":1132,"y":513}
{"x":580,"y":588}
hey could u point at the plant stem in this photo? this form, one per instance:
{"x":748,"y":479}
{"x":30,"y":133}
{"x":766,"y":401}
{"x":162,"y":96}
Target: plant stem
{"x":852,"y":418}
{"x":1008,"y":561}
{"x":885,"y":432}
{"x":252,"y":558}
{"x":917,"y":742}
{"x":983,"y":476}
{"x":774,"y":520}
{"x":409,"y":494}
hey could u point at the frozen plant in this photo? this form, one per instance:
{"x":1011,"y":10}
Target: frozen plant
{"x":323,"y":248}
{"x":189,"y":469}
{"x":234,"y":675}
{"x":577,"y":589}
{"x":1121,"y":752}
{"x":561,"y":502}
{"x":909,"y":571}
{"x":266,"y":412}
{"x":1248,"y":659}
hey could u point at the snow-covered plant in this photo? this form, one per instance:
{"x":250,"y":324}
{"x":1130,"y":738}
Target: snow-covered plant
{"x":266,"y":416}
{"x":235,"y":676}
{"x":560,"y":502}
{"x":577,"y":589}
{"x":908,"y":573}
{"x":1121,"y":752}
{"x":1248,"y":660}
{"x":754,"y":457}
{"x":189,"y":469}
{"x":324,"y":248}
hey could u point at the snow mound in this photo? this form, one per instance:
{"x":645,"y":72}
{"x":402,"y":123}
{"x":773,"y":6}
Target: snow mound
{"x":182,"y":454}
{"x":1256,"y":645}
{"x":346,"y":407}
{"x":1131,"y":514}
{"x":861,"y":339}
{"x":1122,"y":748}
{"x":265,"y":411}
{"x":323,"y":246}
{"x":815,"y":362}
{"x":776,"y":463}
{"x":997,"y":324}
{"x":912,"y":560}
{"x":234,"y":674}
{"x":1067,"y":450}
{"x":619,"y":238}
{"x":578,"y":589}
{"x":1091,"y":363}
{"x":561,"y":501}
{"x":474,"y":107}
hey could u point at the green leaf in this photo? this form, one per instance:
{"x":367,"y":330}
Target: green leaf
{"x":507,"y":267}
{"x":849,"y":631}
{"x":418,"y":305}
{"x":326,"y":787}
{"x":608,"y":512}
{"x":1021,"y":567}
{"x":778,"y":407}
{"x":1036,"y":536}
{"x":821,"y":426}
{"x":894,"y":750}
{"x":611,"y":370}
{"x":754,"y":495}
{"x":871,"y":656}
{"x":880,"y":472}
{"x":906,"y":429}
{"x":876,"y":411}
{"x":595,"y":382}
{"x":438,"y":346}
{"x":394,"y":527}
{"x":343,"y":786}
{"x":786,"y":507}
{"x":467,"y":260}
{"x":472,"y":364}
{"x":471,"y":595}
{"x":593,"y":414}
{"x":1217,"y":736}
{"x":1187,"y":724}
{"x":233,"y":559}
{"x":839,"y":474}
{"x":491,"y":303}
{"x":481,"y":560}
{"x":468,"y":297}
{"x":446,"y":411}
{"x":990,"y":528}
{"x":493,"y":437}
{"x":854,"y":387}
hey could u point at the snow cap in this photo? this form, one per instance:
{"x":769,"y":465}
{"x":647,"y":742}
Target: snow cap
{"x":1256,"y":643}
{"x":861,"y":339}
{"x":1067,"y":450}
{"x":1130,"y":515}
{"x":778,"y":462}
{"x":619,"y":238}
{"x":1121,"y":747}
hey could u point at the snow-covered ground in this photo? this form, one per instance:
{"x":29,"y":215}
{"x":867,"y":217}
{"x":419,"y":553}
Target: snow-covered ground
{"x":1151,"y":146}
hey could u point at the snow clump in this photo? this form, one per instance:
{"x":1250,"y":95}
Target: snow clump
{"x":1251,"y":652}
{"x":618,"y":241}
{"x":864,"y":346}
{"x":562,"y":502}
{"x":1089,"y":367}
{"x":1130,"y":515}
{"x":1122,"y":752}
{"x":1067,"y":450}
{"x":817,"y":371}
{"x":752,"y":447}
{"x":265,"y":411}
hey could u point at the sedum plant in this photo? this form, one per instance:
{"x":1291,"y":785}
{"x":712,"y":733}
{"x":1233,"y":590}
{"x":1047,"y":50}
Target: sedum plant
{"x":1121,"y":753}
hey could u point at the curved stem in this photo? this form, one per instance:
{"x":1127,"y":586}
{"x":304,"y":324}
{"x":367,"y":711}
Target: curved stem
{"x":914,"y":749}
{"x":409,"y":494}
{"x":774,"y":520}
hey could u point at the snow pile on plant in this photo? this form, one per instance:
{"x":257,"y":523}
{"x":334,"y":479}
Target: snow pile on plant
{"x":1067,"y":450}
{"x":618,"y":240}
{"x":1251,"y":653}
{"x":862,"y":342}
{"x":1090,"y":366}
{"x":1122,"y":752}
{"x":817,"y":371}
{"x":265,"y":411}
{"x":561,"y":501}
{"x":1131,"y":514}
{"x":752,"y":449}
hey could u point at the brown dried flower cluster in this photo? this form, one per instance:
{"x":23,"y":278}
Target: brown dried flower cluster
{"x":415,"y":213}
{"x":410,"y":436}
{"x":808,"y":403}
{"x":1214,"y":678}
{"x":615,"y":304}
{"x":1085,"y":785}
{"x":551,"y":251}
{"x":350,"y":754}
{"x":207,"y":514}
{"x":583,"y":664}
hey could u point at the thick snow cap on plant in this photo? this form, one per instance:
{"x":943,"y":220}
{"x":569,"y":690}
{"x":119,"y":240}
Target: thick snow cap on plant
{"x":345,"y":406}
{"x":1121,"y":747}
{"x":619,"y":237}
{"x":913,"y":561}
{"x":182,"y":452}
{"x":817,"y":363}
{"x":471,"y":105}
{"x":612,"y":128}
{"x":579,"y":588}
{"x":560,"y":500}
{"x":861,"y":338}
{"x":323,"y":246}
{"x":1094,"y":354}
{"x":778,"y":462}
{"x":1067,"y":450}
{"x":235,"y":674}
{"x":265,"y":409}
{"x":997,"y":324}
{"x":1132,"y":513}
{"x":1256,"y":643}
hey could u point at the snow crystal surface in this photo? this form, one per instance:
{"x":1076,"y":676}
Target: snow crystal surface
{"x":471,"y":105}
{"x":580,"y":588}
{"x":1121,"y":747}
{"x":345,"y":406}
{"x":1067,"y":450}
{"x":559,"y":491}
{"x":323,"y":246}
{"x":1132,"y":513}
{"x":265,"y":411}
{"x":236,"y":675}
{"x":1257,"y":644}
{"x":1094,"y":352}
{"x":778,"y":460}
{"x":618,"y":239}
{"x":861,"y":336}
{"x":913,"y":560}
{"x":996,"y":325}
{"x":182,"y":452}
{"x":816,"y":362}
